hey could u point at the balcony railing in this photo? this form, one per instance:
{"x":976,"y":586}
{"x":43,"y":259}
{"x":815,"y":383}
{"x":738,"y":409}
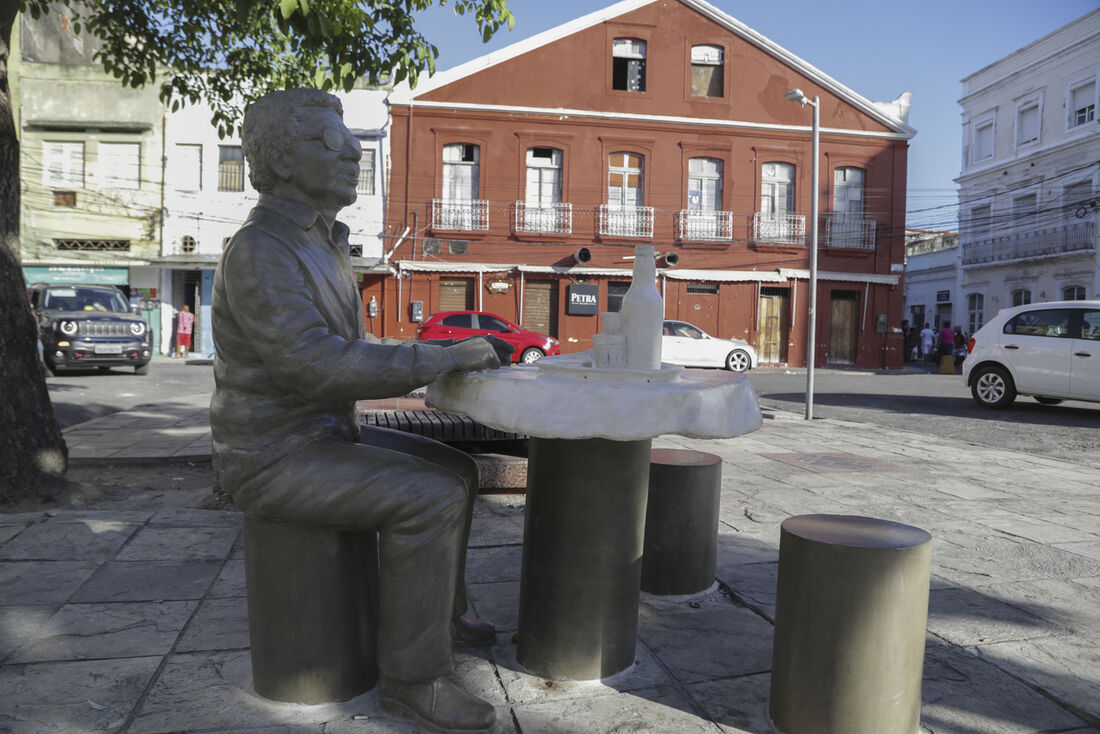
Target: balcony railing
{"x":460,"y":215}
{"x":1070,"y":238}
{"x":779,"y":228}
{"x":705,"y":226}
{"x":630,"y":221}
{"x":850,"y":231}
{"x":548,"y":218}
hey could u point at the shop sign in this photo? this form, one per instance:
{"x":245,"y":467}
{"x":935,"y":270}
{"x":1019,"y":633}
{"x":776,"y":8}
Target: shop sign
{"x":499,"y":286}
{"x":584,"y":300}
{"x":76,"y":275}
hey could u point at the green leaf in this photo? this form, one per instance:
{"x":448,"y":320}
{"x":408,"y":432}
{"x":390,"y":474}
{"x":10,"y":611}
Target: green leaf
{"x":287,"y":7}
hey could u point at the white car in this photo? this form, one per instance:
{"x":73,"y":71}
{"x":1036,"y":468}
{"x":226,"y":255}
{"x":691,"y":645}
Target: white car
{"x":1050,"y":351}
{"x":686,"y":344}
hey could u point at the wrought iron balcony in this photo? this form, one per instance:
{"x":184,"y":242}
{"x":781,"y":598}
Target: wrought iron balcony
{"x":851,"y":231}
{"x":1064,"y":240}
{"x":705,"y":226}
{"x":779,"y":228}
{"x":472,"y":215}
{"x":627,"y":221}
{"x":544,"y":218}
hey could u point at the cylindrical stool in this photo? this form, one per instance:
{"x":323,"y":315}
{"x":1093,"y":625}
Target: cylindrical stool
{"x":582,"y":551}
{"x":850,"y":616}
{"x":312,"y":611}
{"x":681,"y":523}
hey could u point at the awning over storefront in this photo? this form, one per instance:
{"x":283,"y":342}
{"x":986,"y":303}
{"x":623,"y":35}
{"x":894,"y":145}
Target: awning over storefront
{"x":84,"y":275}
{"x":452,"y":267}
{"x":726,"y":276}
{"x":879,"y":278}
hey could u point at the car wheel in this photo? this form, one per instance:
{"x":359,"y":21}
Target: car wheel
{"x":531,"y":355}
{"x":738,"y":361}
{"x":992,"y":387}
{"x":142,"y":369}
{"x":1048,"y":401}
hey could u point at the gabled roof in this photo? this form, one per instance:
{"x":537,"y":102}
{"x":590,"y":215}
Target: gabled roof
{"x":879,"y":111}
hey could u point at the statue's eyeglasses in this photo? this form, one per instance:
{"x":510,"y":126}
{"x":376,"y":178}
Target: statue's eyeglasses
{"x":334,"y":139}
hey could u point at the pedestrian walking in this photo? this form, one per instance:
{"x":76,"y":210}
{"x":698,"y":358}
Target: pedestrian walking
{"x":185,"y":326}
{"x":927,"y":336}
{"x":947,"y":341}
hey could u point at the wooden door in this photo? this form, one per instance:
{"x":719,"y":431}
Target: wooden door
{"x":699,"y":306}
{"x":771,"y":325}
{"x":456,"y":294}
{"x":540,"y":307}
{"x":843,"y":319}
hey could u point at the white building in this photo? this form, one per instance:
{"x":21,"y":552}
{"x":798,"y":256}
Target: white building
{"x":1030,"y":175}
{"x":931,"y":275}
{"x":207,"y":195}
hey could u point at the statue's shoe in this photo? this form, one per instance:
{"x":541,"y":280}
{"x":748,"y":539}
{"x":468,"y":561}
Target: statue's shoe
{"x":437,"y":705}
{"x":471,"y":633}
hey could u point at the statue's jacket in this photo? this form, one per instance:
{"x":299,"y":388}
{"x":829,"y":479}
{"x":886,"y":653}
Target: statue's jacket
{"x":292,"y":352}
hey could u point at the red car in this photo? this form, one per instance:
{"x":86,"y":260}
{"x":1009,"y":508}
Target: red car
{"x":531,"y":346}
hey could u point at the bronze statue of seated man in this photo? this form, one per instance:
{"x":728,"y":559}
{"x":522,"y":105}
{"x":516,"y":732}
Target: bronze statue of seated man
{"x":292,"y":357}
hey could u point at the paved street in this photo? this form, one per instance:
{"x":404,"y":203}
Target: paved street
{"x":136,"y":622}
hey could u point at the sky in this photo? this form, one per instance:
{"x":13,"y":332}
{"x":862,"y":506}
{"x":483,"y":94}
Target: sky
{"x":877,"y":48}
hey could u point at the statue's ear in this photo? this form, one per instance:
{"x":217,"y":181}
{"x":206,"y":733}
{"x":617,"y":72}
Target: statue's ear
{"x":279,"y":163}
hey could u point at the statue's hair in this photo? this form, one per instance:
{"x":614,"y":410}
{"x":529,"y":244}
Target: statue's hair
{"x":272,"y":123}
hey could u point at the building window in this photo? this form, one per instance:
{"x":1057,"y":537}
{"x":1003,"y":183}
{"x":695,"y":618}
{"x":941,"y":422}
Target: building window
{"x":230,"y":168}
{"x":1074,"y":197}
{"x":187,"y":167}
{"x":1021,"y":297}
{"x":628,"y":65}
{"x":980,"y":224}
{"x":111,"y":245}
{"x":461,"y":171}
{"x":1082,"y":103}
{"x":615,"y":291}
{"x":848,"y":184}
{"x":625,"y":181}
{"x":543,"y":176}
{"x":365,"y":186}
{"x":777,"y":189}
{"x":1027,"y":122}
{"x":703,"y":288}
{"x":62,"y":165}
{"x":187,"y":244}
{"x":1073,"y":293}
{"x":120,"y":165}
{"x":707,"y":77}
{"x":975,"y":307}
{"x":64,"y":198}
{"x":983,"y":140}
{"x":1025,"y":213}
{"x":704,"y":184}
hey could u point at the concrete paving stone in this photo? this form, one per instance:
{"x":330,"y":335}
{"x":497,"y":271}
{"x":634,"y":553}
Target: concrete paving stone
{"x":80,"y":453}
{"x":133,"y":517}
{"x":498,"y":603}
{"x":987,"y":560}
{"x":475,"y":672}
{"x":148,"y":581}
{"x":201,"y":691}
{"x":1068,"y":603}
{"x":165,"y":543}
{"x":754,"y":584}
{"x":219,"y":624}
{"x":739,"y":642}
{"x":185,"y":517}
{"x":1040,"y":531}
{"x":733,"y":547}
{"x":230,"y":582}
{"x":82,"y":696}
{"x":7,"y":532}
{"x":17,"y":623}
{"x":22,"y":519}
{"x":1066,"y":667}
{"x":237,"y":554}
{"x":661,"y":709}
{"x":42,"y":582}
{"x":523,"y":688}
{"x":963,"y":694}
{"x":484,"y":565}
{"x":1086,"y":549}
{"x":497,"y":521}
{"x":967,"y":618}
{"x":737,"y":705}
{"x":54,"y":540}
{"x":104,"y":631}
{"x":970,"y":490}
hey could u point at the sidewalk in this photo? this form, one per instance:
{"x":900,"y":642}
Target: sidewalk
{"x":136,"y":621}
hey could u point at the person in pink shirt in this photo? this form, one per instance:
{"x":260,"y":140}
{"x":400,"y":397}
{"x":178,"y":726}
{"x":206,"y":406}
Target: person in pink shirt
{"x":184,"y":328}
{"x":947,"y":341}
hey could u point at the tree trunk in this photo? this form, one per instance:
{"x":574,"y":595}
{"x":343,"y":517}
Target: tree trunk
{"x":33,"y":455}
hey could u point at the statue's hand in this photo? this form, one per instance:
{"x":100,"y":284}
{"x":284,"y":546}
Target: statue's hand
{"x":475,"y":353}
{"x":504,"y":349}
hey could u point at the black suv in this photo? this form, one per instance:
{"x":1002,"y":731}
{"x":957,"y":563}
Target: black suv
{"x":84,"y":326}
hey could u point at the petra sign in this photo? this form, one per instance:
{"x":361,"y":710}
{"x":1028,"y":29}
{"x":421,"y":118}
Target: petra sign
{"x":584,"y":300}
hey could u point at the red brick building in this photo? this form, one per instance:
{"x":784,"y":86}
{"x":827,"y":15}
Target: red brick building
{"x":521,"y":181}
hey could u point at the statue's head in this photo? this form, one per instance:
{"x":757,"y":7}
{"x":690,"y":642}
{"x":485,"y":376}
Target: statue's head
{"x":297,"y":145}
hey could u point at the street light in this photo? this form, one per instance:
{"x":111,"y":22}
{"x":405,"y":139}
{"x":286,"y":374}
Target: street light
{"x":796,"y":95}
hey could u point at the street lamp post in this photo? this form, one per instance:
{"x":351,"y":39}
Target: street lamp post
{"x":796,"y":95}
